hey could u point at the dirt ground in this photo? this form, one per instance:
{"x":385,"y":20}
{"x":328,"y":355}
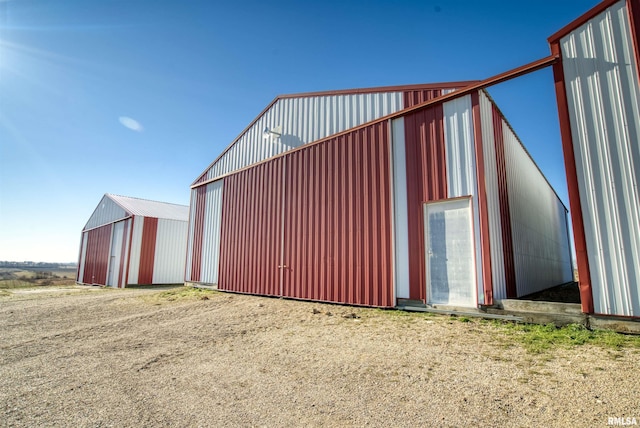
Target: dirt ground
{"x":131,"y":358}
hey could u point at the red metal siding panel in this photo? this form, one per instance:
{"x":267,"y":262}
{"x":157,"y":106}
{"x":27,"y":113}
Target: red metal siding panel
{"x":97,"y":255}
{"x":337,"y":223}
{"x":503,"y":194}
{"x":426,"y":181}
{"x":148,"y":250}
{"x":198,"y":230}
{"x":487,"y":279}
{"x":337,"y":220}
{"x":415,"y":97}
{"x":251,"y":230}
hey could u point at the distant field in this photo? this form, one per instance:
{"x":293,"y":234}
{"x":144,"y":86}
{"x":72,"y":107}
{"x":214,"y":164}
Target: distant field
{"x":16,"y":278}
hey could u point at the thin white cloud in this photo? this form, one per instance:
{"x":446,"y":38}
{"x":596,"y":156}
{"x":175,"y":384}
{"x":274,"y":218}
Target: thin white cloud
{"x":132,"y":124}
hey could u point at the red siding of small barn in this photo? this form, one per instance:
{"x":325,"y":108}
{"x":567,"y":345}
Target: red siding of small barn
{"x":426,"y":181}
{"x":97,"y":255}
{"x":148,"y":250}
{"x":336,"y":218}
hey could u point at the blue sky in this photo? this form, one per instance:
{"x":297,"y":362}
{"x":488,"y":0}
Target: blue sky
{"x":138,"y":97}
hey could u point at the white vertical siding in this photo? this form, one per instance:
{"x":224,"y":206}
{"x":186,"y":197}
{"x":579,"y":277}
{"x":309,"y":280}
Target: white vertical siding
{"x":170,"y":252}
{"x":115,"y":254}
{"x":106,"y":212}
{"x":211,"y":233}
{"x":83,"y":256}
{"x":303,"y":120}
{"x":603,"y":99}
{"x":136,"y":245}
{"x":461,"y":167}
{"x":400,"y":214}
{"x":125,"y":260}
{"x":541,"y":253}
{"x":493,"y":198}
{"x":191,"y":231}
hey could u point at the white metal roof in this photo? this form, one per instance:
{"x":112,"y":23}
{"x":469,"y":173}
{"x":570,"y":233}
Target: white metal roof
{"x":147,"y":208}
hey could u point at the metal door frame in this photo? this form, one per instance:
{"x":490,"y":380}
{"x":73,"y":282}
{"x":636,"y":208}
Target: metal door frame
{"x":474,"y":284}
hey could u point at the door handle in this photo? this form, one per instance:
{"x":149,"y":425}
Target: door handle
{"x":282,"y":266}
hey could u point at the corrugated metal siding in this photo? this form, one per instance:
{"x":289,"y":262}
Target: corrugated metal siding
{"x":191,"y":234}
{"x":136,"y":245}
{"x":97,"y":255}
{"x":198,"y":209}
{"x":211,"y":233}
{"x":337,"y":225}
{"x":115,"y":261}
{"x":400,"y":216}
{"x":147,"y":208}
{"x":338,"y":220}
{"x":412,"y":98}
{"x":251,"y":230}
{"x":124,"y":254}
{"x":148,"y":250}
{"x":493,"y":198}
{"x":538,"y":223}
{"x":170,"y":251}
{"x":505,"y":212}
{"x":83,"y":257}
{"x":601,"y":82}
{"x":106,"y":212}
{"x":304,"y":120}
{"x":426,"y":181}
{"x":461,"y":168}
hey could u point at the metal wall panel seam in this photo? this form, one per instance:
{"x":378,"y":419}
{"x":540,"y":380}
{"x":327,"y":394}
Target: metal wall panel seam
{"x":633,"y":8}
{"x":503,"y":197}
{"x":483,"y":210}
{"x":493,"y":201}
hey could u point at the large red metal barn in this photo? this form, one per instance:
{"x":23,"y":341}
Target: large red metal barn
{"x":378,"y":196}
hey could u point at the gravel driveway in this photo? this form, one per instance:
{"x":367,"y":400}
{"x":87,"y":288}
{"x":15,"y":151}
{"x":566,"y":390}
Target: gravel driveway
{"x":134,"y":358}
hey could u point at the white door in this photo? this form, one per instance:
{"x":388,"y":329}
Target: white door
{"x":117,"y":240}
{"x":450,"y":264}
